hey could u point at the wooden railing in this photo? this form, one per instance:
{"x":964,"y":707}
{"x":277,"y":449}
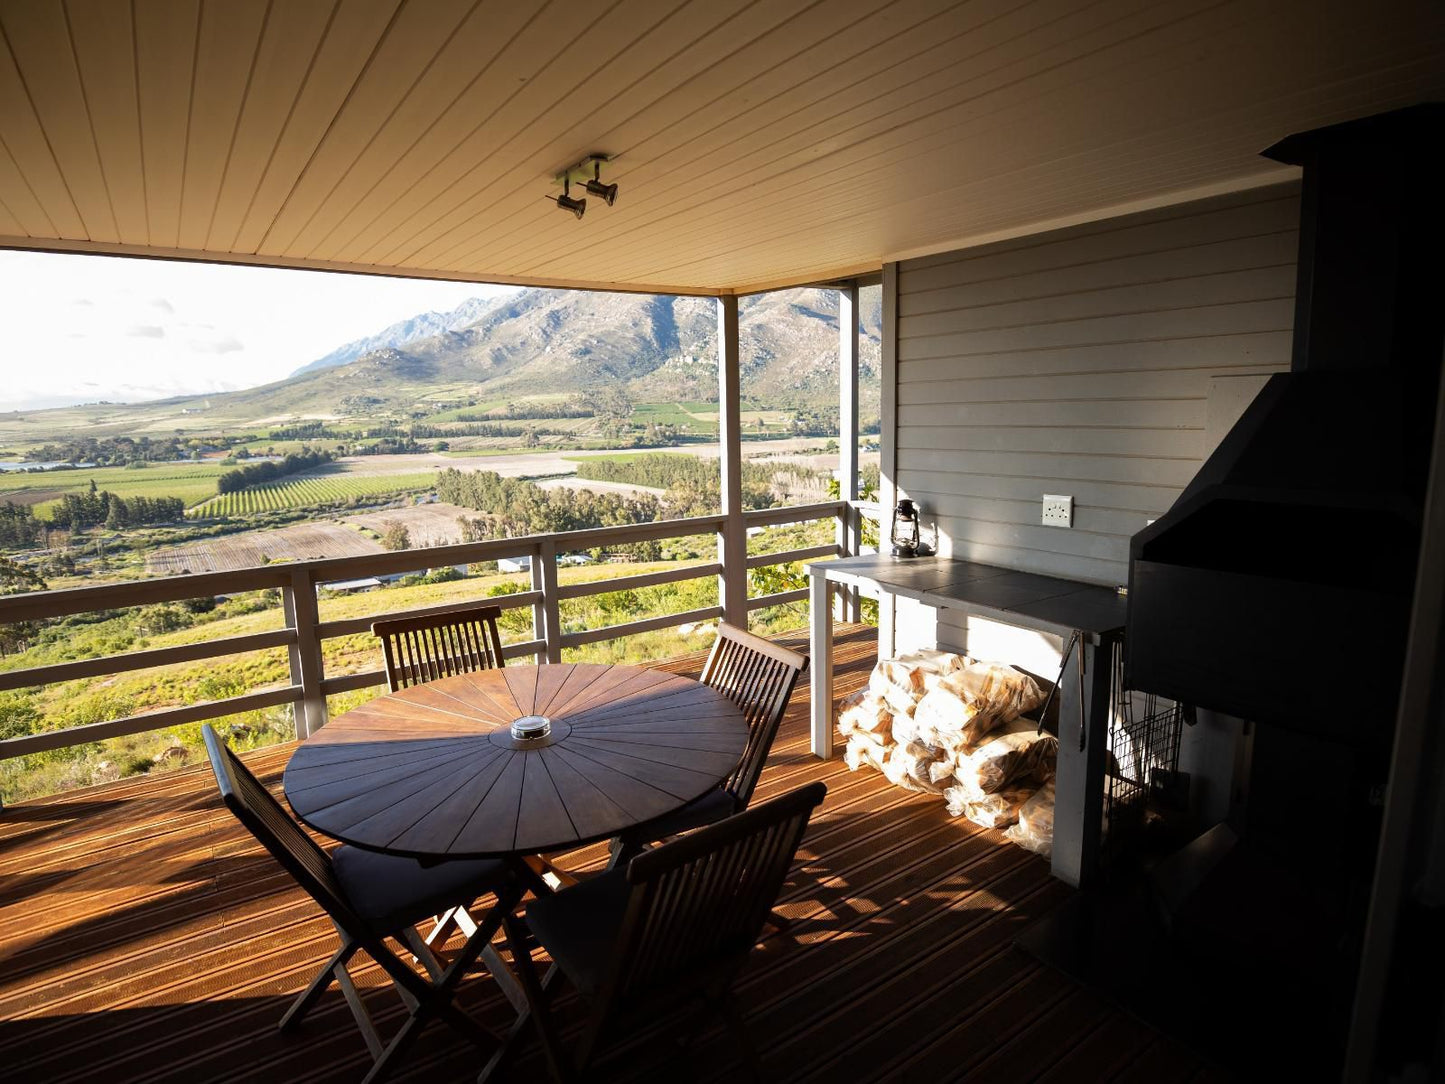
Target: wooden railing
{"x":304,"y":632}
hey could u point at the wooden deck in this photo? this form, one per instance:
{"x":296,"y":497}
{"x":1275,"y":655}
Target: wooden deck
{"x":144,"y":937}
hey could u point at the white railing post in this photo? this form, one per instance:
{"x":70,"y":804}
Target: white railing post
{"x":539,"y":608}
{"x":299,"y":602}
{"x":849,"y":525}
{"x":546,"y":560}
{"x":732,"y":537}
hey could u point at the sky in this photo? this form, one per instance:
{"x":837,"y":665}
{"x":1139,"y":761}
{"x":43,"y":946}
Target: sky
{"x":78,"y":329}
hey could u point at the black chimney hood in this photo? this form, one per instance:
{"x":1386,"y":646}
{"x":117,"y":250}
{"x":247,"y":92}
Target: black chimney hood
{"x":1277,"y":588}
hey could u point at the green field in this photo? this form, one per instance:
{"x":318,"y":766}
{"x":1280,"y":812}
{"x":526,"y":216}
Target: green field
{"x":676,"y":414}
{"x":312,"y":492}
{"x":192,"y":482}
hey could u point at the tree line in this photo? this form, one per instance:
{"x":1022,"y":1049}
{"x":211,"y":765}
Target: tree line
{"x":101,"y":507}
{"x":19,"y":529}
{"x":517,"y":507}
{"x":572,"y":408}
{"x":233,"y":481}
{"x":693,"y":484}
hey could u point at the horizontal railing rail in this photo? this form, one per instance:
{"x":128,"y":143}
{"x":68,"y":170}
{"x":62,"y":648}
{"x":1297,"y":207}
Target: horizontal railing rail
{"x":305,"y":632}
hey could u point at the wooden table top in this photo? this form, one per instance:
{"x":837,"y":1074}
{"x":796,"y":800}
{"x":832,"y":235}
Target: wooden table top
{"x":434,"y":771}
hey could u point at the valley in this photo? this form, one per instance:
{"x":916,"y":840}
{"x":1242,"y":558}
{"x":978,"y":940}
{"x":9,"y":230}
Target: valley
{"x":539,"y":412}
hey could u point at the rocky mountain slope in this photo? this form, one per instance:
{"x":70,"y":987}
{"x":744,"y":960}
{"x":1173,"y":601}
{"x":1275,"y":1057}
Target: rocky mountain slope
{"x":657,"y":348}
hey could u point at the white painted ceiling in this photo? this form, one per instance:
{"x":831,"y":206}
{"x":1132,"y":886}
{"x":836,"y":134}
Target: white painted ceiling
{"x":757,"y":142}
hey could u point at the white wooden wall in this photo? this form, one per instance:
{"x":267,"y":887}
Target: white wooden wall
{"x":1103,"y":361}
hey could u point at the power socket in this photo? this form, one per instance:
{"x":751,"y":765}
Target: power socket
{"x":1058,"y":510}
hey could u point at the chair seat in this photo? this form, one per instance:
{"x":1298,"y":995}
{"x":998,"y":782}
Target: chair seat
{"x":714,"y":806}
{"x":578,"y":926}
{"x":391,"y":892}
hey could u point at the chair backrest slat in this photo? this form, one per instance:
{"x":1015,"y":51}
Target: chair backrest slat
{"x":276,"y":830}
{"x":699,"y":903}
{"x":758,"y":676}
{"x":421,"y":649}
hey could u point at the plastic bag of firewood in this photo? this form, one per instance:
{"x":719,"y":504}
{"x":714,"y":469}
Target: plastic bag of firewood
{"x":908,"y":766}
{"x":864,"y":712}
{"x":970,"y":703}
{"x":899,"y":701}
{"x":904,"y":729}
{"x":906,"y":678}
{"x":988,"y":810}
{"x":862,"y":750}
{"x":903,"y":680}
{"x":1000,"y":690}
{"x":935,"y":661}
{"x":945,"y":717}
{"x":1035,"y":828}
{"x":1012,"y":754}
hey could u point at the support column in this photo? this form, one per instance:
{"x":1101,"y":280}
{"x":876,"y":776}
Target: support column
{"x":849,"y":523}
{"x":732,"y":538}
{"x":1083,"y":747}
{"x":888,"y":444}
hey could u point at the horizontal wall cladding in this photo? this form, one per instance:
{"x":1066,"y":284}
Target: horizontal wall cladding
{"x":1079,"y":362}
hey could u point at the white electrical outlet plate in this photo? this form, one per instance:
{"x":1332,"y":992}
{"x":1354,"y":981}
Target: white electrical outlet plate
{"x":1058,"y":510}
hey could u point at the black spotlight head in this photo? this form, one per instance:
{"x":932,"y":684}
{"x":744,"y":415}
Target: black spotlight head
{"x":607,"y":193}
{"x":577,"y":206}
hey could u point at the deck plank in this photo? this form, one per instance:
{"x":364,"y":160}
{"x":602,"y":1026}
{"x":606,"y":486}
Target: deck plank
{"x":145,"y":937}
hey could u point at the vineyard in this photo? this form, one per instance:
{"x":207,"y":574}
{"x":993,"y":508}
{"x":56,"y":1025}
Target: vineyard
{"x":191,"y":482}
{"x":313,"y":492}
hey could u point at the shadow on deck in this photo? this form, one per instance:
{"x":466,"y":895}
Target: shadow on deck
{"x":146,"y":937}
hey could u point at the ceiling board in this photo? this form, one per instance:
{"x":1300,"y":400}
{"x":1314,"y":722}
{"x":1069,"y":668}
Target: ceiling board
{"x":39,"y":39}
{"x":758,"y":142}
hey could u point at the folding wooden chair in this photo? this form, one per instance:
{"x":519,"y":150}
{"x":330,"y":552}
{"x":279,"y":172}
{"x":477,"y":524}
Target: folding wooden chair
{"x":675,"y":927}
{"x":438,"y":645}
{"x":370,"y":897}
{"x":759,"y":677}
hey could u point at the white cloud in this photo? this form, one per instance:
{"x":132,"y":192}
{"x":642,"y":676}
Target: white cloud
{"x":225,"y":344}
{"x":126,"y":330}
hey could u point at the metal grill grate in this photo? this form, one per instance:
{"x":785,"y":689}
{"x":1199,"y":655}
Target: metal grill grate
{"x":1143,"y":777}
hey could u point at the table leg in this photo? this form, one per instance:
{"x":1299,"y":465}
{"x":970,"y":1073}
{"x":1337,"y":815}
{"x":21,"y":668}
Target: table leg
{"x":820,"y":662}
{"x":1083,"y":748}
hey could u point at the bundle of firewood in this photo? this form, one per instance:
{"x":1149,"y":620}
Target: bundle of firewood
{"x":945,"y":724}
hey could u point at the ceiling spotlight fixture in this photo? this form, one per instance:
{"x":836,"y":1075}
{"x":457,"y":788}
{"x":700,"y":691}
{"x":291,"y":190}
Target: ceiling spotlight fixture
{"x":607,"y":193}
{"x":565,"y":201}
{"x":587,"y":173}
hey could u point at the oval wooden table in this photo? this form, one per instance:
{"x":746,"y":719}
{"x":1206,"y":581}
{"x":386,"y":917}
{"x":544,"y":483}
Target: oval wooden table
{"x":435,"y":771}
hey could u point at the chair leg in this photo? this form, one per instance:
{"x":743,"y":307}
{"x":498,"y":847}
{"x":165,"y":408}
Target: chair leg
{"x":427,"y":1001}
{"x":308,"y":998}
{"x":729,"y":1006}
{"x":422,"y":952}
{"x":545,"y":868}
{"x":537,"y":995}
{"x":779,"y":923}
{"x":622,"y":851}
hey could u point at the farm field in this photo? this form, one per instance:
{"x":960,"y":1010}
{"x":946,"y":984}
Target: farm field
{"x":192,"y":482}
{"x":433,"y":524}
{"x":298,"y":542}
{"x":311,"y":491}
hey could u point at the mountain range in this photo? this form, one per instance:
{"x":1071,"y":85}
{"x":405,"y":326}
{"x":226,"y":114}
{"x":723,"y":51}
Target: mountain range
{"x":656,"y":348}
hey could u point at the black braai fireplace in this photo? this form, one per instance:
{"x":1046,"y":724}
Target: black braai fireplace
{"x":1274,"y":597}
